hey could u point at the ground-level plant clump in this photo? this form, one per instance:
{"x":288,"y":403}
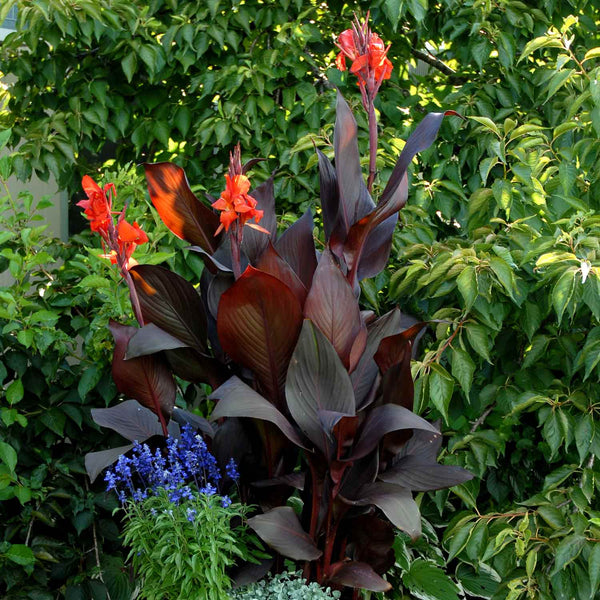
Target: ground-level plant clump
{"x":182,"y":534}
{"x":285,"y":586}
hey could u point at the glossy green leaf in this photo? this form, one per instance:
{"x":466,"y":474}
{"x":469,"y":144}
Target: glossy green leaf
{"x":479,"y":338}
{"x":567,"y":551}
{"x":8,"y":455}
{"x":441,"y":386}
{"x":467,"y":285}
{"x":562,"y":292}
{"x":463,"y":368}
{"x":545,"y":41}
{"x":428,"y":582}
{"x":594,"y":567}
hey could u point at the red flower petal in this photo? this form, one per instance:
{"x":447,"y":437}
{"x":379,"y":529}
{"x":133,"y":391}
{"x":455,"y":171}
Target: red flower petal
{"x":127,"y":232}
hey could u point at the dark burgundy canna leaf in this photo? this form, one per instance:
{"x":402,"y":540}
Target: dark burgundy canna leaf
{"x":368,"y":317}
{"x":171,"y":303}
{"x":131,"y":420}
{"x":281,"y":529}
{"x":258,"y":322}
{"x":247,"y":573}
{"x":363,"y":376}
{"x":234,"y":439}
{"x":394,"y":349}
{"x":332,"y":307}
{"x":397,"y":387}
{"x":385,"y":419}
{"x":295,"y":480}
{"x":358,"y":346}
{"x":236,"y":399}
{"x":216,"y":286}
{"x":270,"y":262}
{"x":421,"y":138}
{"x":396,"y":503}
{"x":181,"y":211}
{"x":213,"y":262}
{"x":378,"y":246}
{"x":355,"y":201}
{"x":393,"y":358}
{"x":297,"y":247}
{"x":420,"y":475}
{"x":149,"y":340}
{"x":330,"y":196}
{"x":316,"y":381}
{"x":360,"y":232}
{"x":255,"y":242}
{"x":193,"y":366}
{"x":250,"y":163}
{"x":356,"y":575}
{"x":182,"y":417}
{"x":371,"y":540}
{"x":96,"y":462}
{"x":425,"y":444}
{"x":366,"y":243}
{"x":363,"y":471}
{"x":146,"y":379}
{"x":329,"y":419}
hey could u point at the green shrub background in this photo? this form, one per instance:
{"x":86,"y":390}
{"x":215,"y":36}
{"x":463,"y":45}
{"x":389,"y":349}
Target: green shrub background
{"x":500,"y":242}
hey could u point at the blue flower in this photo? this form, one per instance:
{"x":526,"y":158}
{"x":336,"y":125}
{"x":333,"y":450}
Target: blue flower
{"x":225,"y":501}
{"x":208,"y":490}
{"x":187,"y":459}
{"x":231,"y":470}
{"x":191,"y":514}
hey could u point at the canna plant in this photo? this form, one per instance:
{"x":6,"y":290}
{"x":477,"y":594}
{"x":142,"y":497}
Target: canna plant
{"x":313,"y":396}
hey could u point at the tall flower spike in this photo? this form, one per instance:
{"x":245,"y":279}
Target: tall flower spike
{"x":371,"y":66}
{"x":235,"y":203}
{"x":368,"y":54}
{"x":118,"y":242}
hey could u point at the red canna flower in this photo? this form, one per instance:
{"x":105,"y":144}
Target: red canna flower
{"x":128,"y":238}
{"x":368,"y":54}
{"x":371,"y":66}
{"x":118,"y":242}
{"x":131,"y":233}
{"x":235,"y":203}
{"x":97,"y":207}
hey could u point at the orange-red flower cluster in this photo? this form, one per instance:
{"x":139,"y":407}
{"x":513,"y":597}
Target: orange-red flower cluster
{"x":97,"y":207}
{"x":120,"y":241}
{"x":368,"y":54}
{"x":235,"y":202}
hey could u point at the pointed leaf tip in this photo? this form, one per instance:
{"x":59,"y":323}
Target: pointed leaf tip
{"x":281,"y":529}
{"x":179,"y":208}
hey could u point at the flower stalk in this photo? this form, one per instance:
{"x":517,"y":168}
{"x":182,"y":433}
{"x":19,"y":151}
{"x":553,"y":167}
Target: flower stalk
{"x":118,"y":242}
{"x":371,"y":66}
{"x":237,"y":207}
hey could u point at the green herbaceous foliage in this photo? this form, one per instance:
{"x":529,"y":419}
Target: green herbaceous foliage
{"x":509,"y":265}
{"x":500,"y":241}
{"x":179,"y":557}
{"x":53,"y":367}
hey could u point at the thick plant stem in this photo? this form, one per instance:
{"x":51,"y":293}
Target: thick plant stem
{"x":236,"y":242}
{"x":163,"y":423}
{"x":133,"y":296}
{"x":372,"y":142}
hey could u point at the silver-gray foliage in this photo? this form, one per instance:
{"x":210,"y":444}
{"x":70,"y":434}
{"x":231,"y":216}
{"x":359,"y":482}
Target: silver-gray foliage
{"x":285,"y":586}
